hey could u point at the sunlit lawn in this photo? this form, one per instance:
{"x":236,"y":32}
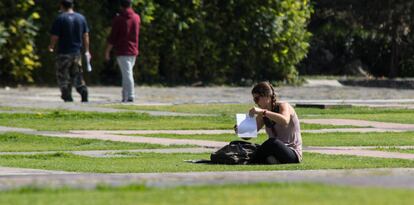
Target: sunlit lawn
{"x":245,"y":194}
{"x":175,"y":162}
{"x":16,"y":142}
{"x":70,"y":120}
{"x":316,"y":139}
{"x":362,"y":113}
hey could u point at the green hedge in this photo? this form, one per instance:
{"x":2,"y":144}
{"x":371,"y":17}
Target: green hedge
{"x":185,"y":42}
{"x":18,"y":57}
{"x":220,"y":41}
{"x":378,"y":34}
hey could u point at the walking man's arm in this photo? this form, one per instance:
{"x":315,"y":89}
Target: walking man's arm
{"x":53,"y":40}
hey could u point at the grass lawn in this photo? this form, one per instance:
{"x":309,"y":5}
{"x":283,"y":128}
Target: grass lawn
{"x":269,"y":193}
{"x":359,"y":139}
{"x":362,"y":113}
{"x":22,"y":109}
{"x":156,"y":162}
{"x":69,"y":120}
{"x":318,"y":139}
{"x":16,"y":142}
{"x":219,"y":109}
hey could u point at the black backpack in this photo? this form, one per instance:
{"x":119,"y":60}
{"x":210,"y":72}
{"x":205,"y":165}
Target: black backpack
{"x":237,"y":152}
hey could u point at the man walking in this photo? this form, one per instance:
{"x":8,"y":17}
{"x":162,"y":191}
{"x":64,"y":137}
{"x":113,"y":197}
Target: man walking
{"x":124,"y":38}
{"x":70,"y":31}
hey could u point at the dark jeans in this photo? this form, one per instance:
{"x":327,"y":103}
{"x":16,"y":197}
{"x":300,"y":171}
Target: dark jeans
{"x":276,"y":148}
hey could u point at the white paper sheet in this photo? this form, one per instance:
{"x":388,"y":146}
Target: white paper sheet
{"x":246,"y":126}
{"x":88,"y":62}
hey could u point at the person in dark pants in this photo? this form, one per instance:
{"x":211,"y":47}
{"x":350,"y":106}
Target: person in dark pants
{"x":70,"y":31}
{"x":282,"y":127}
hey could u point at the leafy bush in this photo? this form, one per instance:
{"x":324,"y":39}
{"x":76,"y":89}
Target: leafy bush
{"x":185,"y":42}
{"x":376,"y":33}
{"x":18,"y":56}
{"x":222,"y":41}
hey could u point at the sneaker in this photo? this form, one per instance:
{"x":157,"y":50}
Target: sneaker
{"x":129,"y":100}
{"x":83,"y":91}
{"x":84,"y":97}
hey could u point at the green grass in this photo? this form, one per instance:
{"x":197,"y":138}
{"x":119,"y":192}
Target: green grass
{"x":69,"y":120}
{"x":317,"y":139}
{"x":403,"y":118}
{"x":219,"y":109}
{"x":359,"y":139}
{"x":157,"y":162}
{"x":247,"y":194}
{"x":304,"y":126}
{"x":362,"y":113}
{"x":212,"y":137}
{"x":15,"y":142}
{"x":394,"y":149}
{"x":24,"y":109}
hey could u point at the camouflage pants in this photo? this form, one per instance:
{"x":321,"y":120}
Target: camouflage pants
{"x":69,"y":72}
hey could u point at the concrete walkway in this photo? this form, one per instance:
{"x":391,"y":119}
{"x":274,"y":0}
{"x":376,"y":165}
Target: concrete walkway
{"x":49,"y":98}
{"x":387,"y":178}
{"x":101,"y":135}
{"x":4,"y":129}
{"x":6,"y":171}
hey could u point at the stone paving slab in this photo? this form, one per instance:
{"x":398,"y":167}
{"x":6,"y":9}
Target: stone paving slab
{"x":49,"y":97}
{"x":4,"y":129}
{"x":137,"y":139}
{"x":387,"y":178}
{"x":6,"y":171}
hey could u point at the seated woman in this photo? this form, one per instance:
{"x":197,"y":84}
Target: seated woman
{"x":282,"y":126}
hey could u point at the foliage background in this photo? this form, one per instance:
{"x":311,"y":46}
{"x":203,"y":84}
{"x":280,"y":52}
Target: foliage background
{"x":18,"y":57}
{"x":181,"y":41}
{"x":236,"y":42}
{"x":376,"y":36}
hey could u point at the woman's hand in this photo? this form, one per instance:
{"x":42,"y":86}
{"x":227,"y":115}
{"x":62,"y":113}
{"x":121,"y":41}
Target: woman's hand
{"x":243,"y":138}
{"x":255,"y":111}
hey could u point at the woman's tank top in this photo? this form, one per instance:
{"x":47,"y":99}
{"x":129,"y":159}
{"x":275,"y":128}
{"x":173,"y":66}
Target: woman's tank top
{"x":290,"y":135}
